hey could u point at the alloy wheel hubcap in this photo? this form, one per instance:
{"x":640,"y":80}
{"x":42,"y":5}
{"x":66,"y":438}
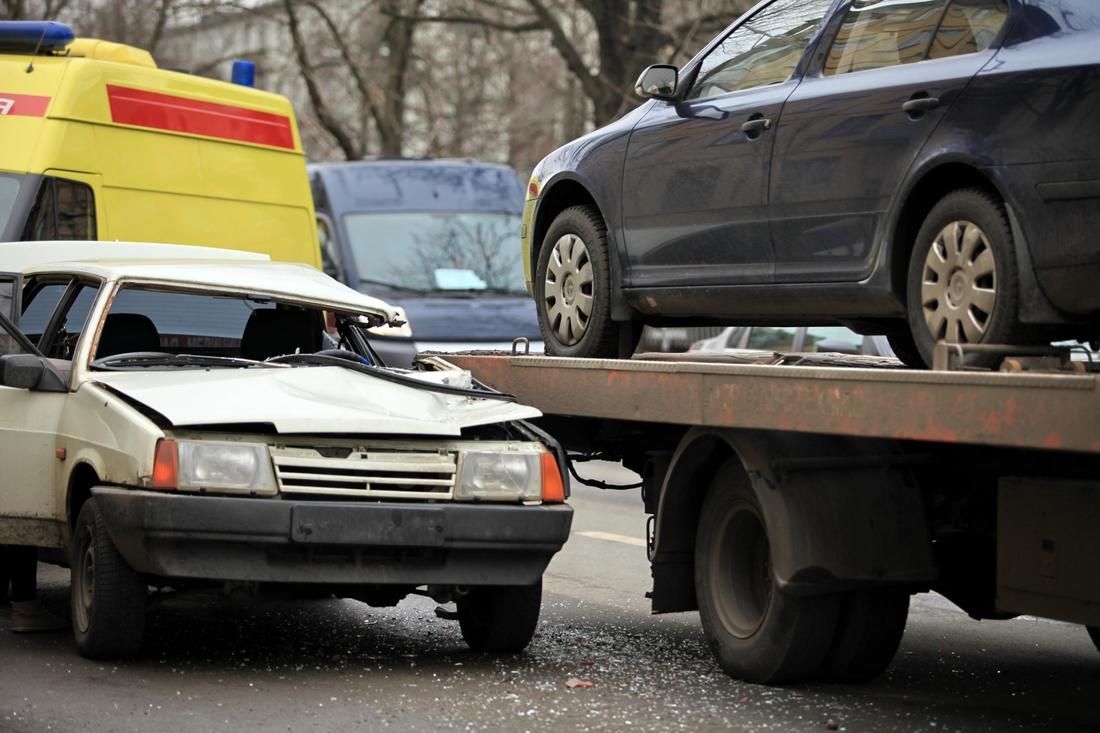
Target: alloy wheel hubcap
{"x":568,"y":294}
{"x":959,"y":284}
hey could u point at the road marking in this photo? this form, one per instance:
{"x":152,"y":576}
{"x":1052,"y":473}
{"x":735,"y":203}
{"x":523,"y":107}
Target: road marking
{"x":608,"y":536}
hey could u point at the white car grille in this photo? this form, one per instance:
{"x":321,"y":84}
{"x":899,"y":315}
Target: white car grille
{"x":367,"y":474}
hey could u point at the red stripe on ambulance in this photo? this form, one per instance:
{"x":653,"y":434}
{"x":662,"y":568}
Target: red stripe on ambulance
{"x":180,"y":114}
{"x":23,"y":105}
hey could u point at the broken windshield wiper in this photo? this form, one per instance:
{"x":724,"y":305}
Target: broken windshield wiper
{"x":392,"y":376}
{"x":141,"y":360}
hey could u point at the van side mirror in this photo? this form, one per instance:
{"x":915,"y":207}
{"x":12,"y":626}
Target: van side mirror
{"x":658,"y":82}
{"x":27,"y":371}
{"x":330,"y":248}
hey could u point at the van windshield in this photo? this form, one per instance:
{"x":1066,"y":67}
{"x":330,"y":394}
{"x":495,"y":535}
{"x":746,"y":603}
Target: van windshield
{"x":9,"y":190}
{"x":434,"y":251}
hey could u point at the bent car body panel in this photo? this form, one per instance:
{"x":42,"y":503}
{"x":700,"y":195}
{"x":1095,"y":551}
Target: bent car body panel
{"x":307,"y":400}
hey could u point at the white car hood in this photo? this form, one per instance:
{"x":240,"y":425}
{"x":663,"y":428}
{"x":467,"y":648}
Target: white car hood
{"x":306,"y":400}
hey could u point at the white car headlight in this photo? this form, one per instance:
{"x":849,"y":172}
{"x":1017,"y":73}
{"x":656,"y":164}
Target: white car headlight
{"x":500,"y":476}
{"x":224,"y":466}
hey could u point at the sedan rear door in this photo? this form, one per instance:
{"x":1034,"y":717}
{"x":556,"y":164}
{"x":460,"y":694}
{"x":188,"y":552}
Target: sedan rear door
{"x":878,"y":86}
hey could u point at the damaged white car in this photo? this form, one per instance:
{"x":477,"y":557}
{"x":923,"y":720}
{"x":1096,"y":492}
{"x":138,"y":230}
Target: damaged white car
{"x":171,"y":415}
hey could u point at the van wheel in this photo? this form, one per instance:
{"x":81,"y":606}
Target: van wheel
{"x":500,"y":619}
{"x":868,"y":634}
{"x":962,"y":284}
{"x":758,"y":632}
{"x":573,"y":287}
{"x":107,"y":596}
{"x":1094,"y":634}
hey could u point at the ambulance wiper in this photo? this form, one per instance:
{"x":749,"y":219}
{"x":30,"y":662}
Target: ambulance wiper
{"x":145,"y":359}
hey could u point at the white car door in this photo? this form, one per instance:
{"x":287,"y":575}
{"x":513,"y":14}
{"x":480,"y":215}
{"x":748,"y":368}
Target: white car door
{"x":29,"y":417}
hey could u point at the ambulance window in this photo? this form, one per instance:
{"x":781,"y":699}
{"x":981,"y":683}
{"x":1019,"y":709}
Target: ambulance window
{"x":65,"y":210}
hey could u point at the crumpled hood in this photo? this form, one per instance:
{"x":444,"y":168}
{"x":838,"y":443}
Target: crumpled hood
{"x":307,"y":400}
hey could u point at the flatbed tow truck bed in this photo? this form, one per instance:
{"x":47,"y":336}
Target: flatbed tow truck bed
{"x":797,"y":501}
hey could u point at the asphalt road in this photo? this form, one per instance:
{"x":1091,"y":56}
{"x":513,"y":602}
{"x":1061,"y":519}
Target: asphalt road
{"x":212,"y":664}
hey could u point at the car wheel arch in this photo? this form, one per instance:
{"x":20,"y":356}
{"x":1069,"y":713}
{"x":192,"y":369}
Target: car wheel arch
{"x":83,"y":477}
{"x":699,"y":455}
{"x":826,"y":548}
{"x":932,"y":184}
{"x":558,"y":195}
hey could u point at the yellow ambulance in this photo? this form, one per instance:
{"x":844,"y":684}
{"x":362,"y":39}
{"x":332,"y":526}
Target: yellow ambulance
{"x":96,"y":142}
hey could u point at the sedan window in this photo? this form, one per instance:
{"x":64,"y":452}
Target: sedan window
{"x":968,"y":27}
{"x":67,"y":326}
{"x":879,"y":33}
{"x":763,"y":50}
{"x":39,"y":304}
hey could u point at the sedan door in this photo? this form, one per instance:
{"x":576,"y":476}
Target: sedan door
{"x":695,"y":181}
{"x":853,"y":127}
{"x":29,"y":419}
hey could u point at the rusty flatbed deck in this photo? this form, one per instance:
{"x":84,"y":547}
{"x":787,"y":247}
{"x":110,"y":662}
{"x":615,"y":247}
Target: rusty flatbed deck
{"x":1019,"y":410}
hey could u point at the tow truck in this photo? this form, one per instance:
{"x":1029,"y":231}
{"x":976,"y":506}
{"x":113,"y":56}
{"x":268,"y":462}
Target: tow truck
{"x":797,"y":501}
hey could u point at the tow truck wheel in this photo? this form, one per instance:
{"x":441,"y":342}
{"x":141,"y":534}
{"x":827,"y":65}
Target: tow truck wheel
{"x":758,"y":632}
{"x":500,"y":619}
{"x":107,"y":596}
{"x":1094,"y":634}
{"x":962,"y":280}
{"x":868,"y":634}
{"x":573,"y":287}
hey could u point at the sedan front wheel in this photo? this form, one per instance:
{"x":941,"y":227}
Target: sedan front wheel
{"x":573,"y":287}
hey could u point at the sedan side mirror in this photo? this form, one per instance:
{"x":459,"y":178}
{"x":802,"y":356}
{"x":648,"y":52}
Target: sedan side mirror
{"x":658,"y":82}
{"x":27,"y":371}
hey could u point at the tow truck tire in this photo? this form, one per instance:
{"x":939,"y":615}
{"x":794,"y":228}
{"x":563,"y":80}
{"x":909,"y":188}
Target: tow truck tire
{"x":868,"y":634}
{"x":1094,"y":634}
{"x":573,"y":287}
{"x":758,"y":632}
{"x":500,"y":619}
{"x":107,"y":596}
{"x":971,"y":286}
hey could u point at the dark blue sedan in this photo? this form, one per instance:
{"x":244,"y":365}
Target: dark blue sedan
{"x":927,"y":169}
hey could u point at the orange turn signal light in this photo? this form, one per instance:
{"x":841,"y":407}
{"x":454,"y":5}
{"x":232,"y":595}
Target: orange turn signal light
{"x":553,"y":488}
{"x":166,"y":465}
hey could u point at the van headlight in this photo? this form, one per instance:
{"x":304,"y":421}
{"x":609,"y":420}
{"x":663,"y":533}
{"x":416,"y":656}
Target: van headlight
{"x":207,"y":465}
{"x":500,"y":476}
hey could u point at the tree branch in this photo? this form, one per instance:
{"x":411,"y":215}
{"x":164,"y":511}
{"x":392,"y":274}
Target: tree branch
{"x":316,"y":98}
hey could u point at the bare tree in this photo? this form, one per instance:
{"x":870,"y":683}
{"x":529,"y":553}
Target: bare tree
{"x":627,"y":35}
{"x":377,"y":68}
{"x":136,"y":22}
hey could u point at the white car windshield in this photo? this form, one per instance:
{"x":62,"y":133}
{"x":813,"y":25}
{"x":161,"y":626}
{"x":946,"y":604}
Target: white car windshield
{"x":145,"y":324}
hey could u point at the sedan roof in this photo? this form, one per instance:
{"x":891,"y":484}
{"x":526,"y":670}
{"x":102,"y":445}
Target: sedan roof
{"x":182,"y":266}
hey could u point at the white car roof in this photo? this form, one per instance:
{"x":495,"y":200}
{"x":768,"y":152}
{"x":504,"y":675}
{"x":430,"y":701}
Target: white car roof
{"x":181,"y":265}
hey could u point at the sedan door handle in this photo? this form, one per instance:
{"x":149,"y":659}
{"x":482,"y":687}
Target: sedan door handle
{"x":920,"y":104}
{"x":756,"y":125}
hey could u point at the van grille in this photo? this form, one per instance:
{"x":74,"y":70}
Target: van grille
{"x":371,"y":474}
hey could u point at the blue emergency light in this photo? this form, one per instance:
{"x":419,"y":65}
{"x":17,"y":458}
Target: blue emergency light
{"x":34,"y":36}
{"x":243,"y":73}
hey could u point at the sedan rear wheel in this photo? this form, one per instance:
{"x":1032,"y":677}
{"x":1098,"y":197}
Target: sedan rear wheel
{"x":962,"y":276}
